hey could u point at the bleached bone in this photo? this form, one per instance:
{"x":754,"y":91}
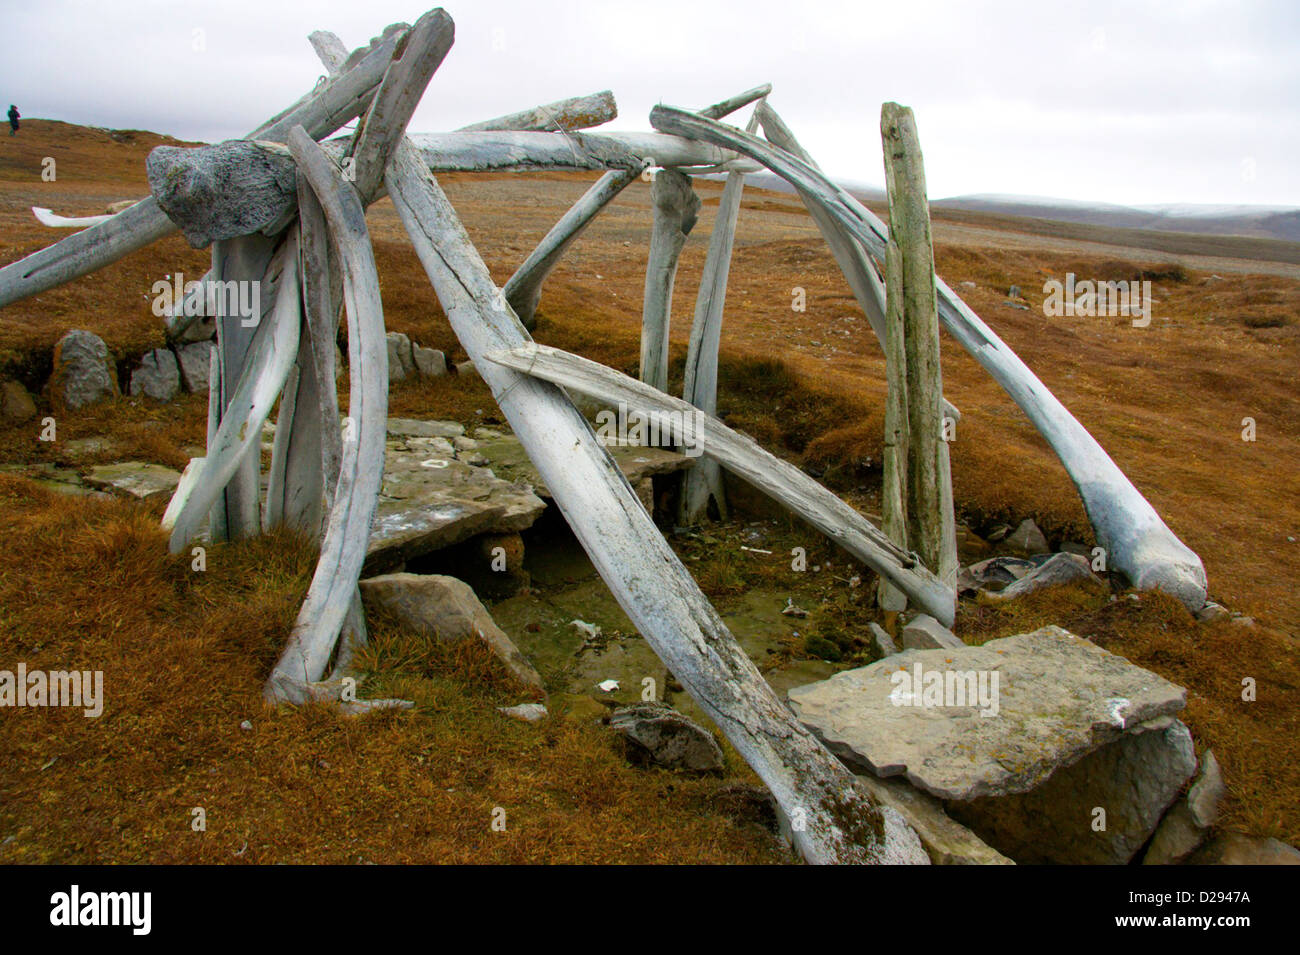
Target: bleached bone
{"x":343,"y":547}
{"x":217,"y":530}
{"x":863,"y":281}
{"x":270,"y":356}
{"x":778,"y":479}
{"x":189,"y":178}
{"x":645,"y":576}
{"x":676,"y":207}
{"x":259,"y":259}
{"x":383,"y":125}
{"x":739,"y":101}
{"x":700,"y":386}
{"x":1136,"y":540}
{"x":46,"y":217}
{"x":322,"y":290}
{"x":502,"y":150}
{"x":913,"y":302}
{"x":322,"y":111}
{"x":577,"y":112}
{"x":524,"y":289}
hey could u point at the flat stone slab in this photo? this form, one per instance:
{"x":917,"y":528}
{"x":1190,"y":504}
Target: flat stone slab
{"x":136,"y":478}
{"x":431,"y":499}
{"x":1057,"y":697}
{"x":507,"y":457}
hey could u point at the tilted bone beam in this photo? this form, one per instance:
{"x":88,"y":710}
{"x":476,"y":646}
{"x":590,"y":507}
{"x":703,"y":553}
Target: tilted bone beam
{"x":778,"y":479}
{"x":645,"y":576}
{"x":322,"y":111}
{"x":343,"y":548}
{"x":739,"y":101}
{"x":250,"y":260}
{"x":382,"y":126}
{"x":269,"y":358}
{"x":577,"y":112}
{"x":1136,"y":540}
{"x":524,"y":289}
{"x":700,"y":380}
{"x":46,"y":217}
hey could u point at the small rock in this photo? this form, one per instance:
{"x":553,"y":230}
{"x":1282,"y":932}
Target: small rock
{"x":790,"y":610}
{"x":1237,"y":848}
{"x":429,"y":362}
{"x":1212,"y":612}
{"x":1177,"y":837}
{"x":923,"y":632}
{"x":447,"y":610}
{"x":83,"y":371}
{"x":401,"y":362}
{"x":882,"y":641}
{"x":1056,"y":570}
{"x":528,"y":712}
{"x":196,"y":365}
{"x":660,"y":734}
{"x":992,"y":574}
{"x":1028,"y":538}
{"x":1074,"y":547}
{"x":137,"y":478}
{"x":607,"y":686}
{"x":158,"y":376}
{"x":1014,"y":292}
{"x":1207,"y":792}
{"x":16,"y":405}
{"x":467,"y":368}
{"x":1240,"y":619}
{"x":246,"y":725}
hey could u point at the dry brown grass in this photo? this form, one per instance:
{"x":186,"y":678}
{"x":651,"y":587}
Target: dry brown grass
{"x":89,"y":585}
{"x":1166,"y":402}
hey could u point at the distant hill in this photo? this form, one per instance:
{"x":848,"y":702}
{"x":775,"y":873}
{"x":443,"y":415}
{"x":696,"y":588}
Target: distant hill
{"x":1267,"y":222}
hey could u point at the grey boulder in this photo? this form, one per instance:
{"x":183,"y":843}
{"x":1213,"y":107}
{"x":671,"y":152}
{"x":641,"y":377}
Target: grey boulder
{"x":664,"y":737}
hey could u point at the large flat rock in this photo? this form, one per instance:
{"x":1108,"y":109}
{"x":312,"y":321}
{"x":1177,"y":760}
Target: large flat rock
{"x":432,"y":498}
{"x":508,"y":458}
{"x":1058,"y":697}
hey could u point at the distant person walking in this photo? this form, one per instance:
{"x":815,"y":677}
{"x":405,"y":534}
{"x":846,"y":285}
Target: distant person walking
{"x":13,"y":120}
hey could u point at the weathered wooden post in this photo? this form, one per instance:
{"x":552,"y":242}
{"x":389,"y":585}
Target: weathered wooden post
{"x":912,"y":303}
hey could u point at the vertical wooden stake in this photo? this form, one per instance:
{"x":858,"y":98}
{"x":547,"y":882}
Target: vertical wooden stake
{"x":931,"y":528}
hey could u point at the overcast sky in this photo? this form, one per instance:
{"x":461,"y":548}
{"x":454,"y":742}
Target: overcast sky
{"x":1132,"y":102}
